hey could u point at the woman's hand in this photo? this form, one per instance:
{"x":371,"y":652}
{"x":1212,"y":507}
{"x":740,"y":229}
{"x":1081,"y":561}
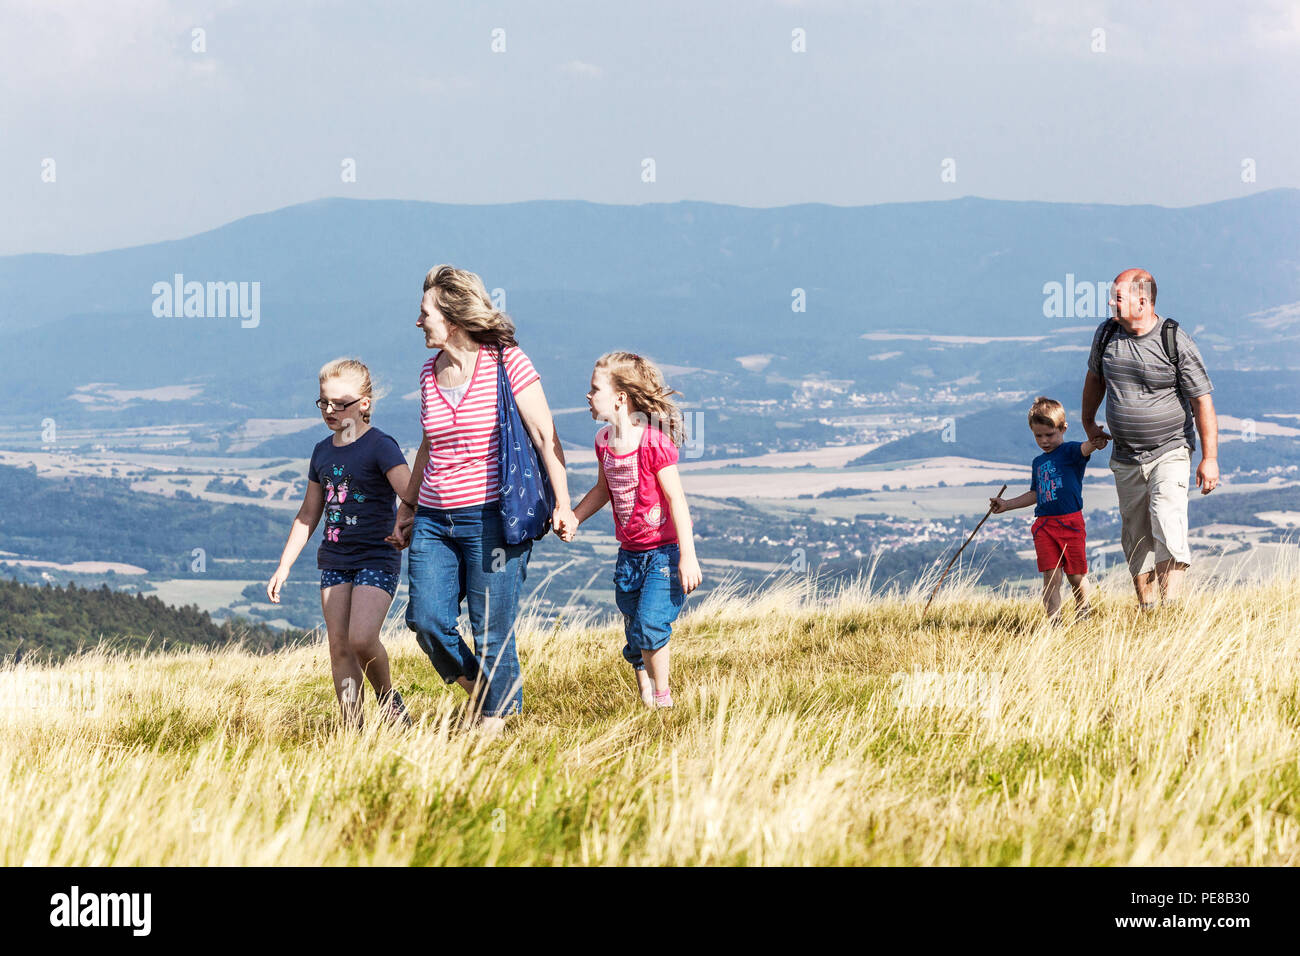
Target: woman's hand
{"x":277,"y":581}
{"x":689,"y":570}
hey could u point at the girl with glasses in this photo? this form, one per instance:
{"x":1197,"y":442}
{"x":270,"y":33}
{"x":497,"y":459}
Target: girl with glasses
{"x":353,"y":481}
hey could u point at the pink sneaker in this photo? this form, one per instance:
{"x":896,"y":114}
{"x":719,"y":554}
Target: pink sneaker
{"x":663,"y":700}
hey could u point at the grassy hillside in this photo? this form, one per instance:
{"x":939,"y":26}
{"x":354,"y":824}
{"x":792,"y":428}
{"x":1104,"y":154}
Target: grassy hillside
{"x":811,"y":728}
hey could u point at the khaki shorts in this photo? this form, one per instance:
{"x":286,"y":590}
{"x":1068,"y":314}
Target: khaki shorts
{"x":1153,"y":509}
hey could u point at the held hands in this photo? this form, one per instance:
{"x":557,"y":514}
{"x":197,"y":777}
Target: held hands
{"x":1207,"y":475}
{"x":1097,"y":434}
{"x":565,"y":523}
{"x":400,"y":536}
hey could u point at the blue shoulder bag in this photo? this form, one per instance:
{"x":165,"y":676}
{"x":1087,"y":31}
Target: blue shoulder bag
{"x":527,"y":499}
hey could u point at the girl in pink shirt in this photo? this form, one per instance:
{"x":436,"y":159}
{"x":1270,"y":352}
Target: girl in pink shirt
{"x":637,"y":455}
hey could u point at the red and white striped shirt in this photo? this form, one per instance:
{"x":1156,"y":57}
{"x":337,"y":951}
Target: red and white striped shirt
{"x":463,"y":441}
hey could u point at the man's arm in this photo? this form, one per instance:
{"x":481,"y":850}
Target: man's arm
{"x":1207,"y":424}
{"x":1094,"y":390}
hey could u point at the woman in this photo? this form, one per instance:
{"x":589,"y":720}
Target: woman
{"x":450,"y":513}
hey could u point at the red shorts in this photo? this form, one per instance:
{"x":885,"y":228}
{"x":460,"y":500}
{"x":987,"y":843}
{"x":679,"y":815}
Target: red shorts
{"x":1060,"y":542}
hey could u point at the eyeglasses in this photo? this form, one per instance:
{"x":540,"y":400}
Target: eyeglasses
{"x":327,"y":405}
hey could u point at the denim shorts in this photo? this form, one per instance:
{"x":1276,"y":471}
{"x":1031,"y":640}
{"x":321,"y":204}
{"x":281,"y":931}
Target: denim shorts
{"x":648,"y":590}
{"x":374,"y":577}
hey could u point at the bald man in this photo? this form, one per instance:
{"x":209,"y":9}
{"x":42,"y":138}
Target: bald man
{"x":1152,"y":398}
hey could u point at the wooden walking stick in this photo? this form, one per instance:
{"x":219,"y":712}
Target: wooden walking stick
{"x":958,"y":554}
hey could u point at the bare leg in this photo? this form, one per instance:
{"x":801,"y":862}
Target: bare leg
{"x":1082,"y":588}
{"x":336,"y":603}
{"x":656,"y":665}
{"x":1145,"y":586}
{"x":1052,"y":593}
{"x":1170,"y":574}
{"x":369,"y":607}
{"x":644,"y":685}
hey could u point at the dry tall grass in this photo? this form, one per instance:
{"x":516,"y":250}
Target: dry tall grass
{"x":814,"y":725}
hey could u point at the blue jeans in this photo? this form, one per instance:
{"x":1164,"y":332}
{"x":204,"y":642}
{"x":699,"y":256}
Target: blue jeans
{"x":460,"y":553}
{"x":648,"y":590}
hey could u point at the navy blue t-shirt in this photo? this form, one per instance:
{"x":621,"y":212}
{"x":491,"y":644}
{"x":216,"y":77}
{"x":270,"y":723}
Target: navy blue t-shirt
{"x":360,"y":504}
{"x":1058,"y":479}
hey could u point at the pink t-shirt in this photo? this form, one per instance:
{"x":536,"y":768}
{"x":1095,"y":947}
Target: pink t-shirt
{"x":642,"y":517}
{"x":462,"y":467}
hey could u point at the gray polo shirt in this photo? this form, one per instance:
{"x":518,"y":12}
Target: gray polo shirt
{"x":1148,"y":411}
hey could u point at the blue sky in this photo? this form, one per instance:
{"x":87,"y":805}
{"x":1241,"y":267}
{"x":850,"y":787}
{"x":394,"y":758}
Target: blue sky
{"x":152,"y":140}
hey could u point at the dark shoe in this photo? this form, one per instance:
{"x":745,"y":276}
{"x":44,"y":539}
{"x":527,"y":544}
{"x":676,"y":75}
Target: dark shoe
{"x":393,"y":711}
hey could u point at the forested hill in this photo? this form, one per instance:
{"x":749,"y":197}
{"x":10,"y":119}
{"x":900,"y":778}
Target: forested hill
{"x":51,"y":623}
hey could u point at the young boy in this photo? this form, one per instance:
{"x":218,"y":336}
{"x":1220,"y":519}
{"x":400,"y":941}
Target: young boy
{"x":1056,"y":490}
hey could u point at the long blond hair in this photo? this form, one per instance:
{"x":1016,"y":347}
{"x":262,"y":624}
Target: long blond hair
{"x":647,"y":395}
{"x":355,"y":371}
{"x":463,"y":300}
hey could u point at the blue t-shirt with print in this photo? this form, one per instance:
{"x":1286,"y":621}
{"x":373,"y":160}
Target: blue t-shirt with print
{"x":1057,"y":478}
{"x":360,"y":504}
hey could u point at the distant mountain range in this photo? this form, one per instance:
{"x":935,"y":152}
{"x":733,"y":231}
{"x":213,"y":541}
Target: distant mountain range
{"x":693,"y":285}
{"x":1001,"y":432}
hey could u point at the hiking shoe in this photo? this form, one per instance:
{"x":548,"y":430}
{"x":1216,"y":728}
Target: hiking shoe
{"x":393,"y":711}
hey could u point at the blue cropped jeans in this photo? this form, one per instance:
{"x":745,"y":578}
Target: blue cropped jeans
{"x":460,"y":553}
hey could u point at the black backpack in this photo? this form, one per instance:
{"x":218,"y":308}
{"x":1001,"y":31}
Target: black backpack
{"x":1168,"y":339}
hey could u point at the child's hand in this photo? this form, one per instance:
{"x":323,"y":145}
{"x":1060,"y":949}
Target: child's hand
{"x":997,"y":505}
{"x":273,"y":586}
{"x":689,"y":571}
